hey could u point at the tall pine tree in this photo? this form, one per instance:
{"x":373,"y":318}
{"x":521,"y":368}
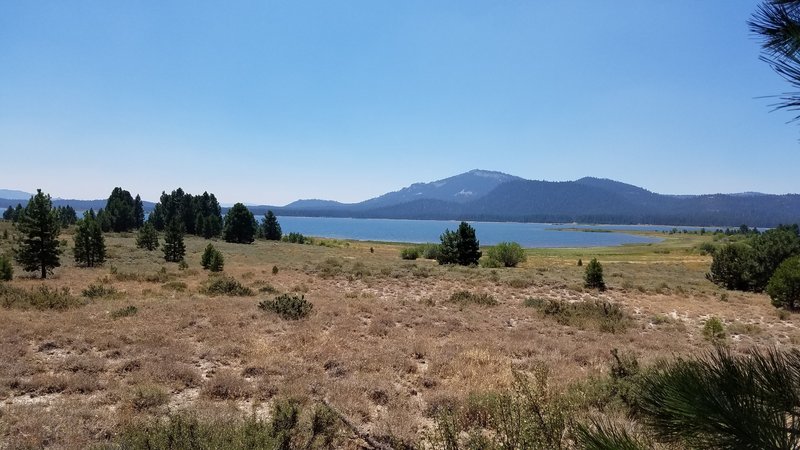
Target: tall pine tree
{"x":270,"y":228}
{"x":40,"y":227}
{"x":138,"y":211}
{"x":174,"y":248}
{"x":90,"y":246}
{"x":468,"y":246}
{"x":240,"y":225}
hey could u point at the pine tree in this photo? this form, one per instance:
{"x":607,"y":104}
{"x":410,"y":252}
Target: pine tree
{"x":216,"y":262}
{"x":468,"y":246}
{"x":174,"y":248}
{"x":270,"y":228}
{"x":138,"y":212}
{"x":205,"y":260}
{"x":212,"y":259}
{"x":212,"y":226}
{"x":104,"y":220}
{"x":40,"y":248}
{"x":594,"y":275}
{"x":240,"y":225}
{"x":8,"y":214}
{"x":147,"y":238}
{"x":90,"y":246}
{"x":448,"y":249}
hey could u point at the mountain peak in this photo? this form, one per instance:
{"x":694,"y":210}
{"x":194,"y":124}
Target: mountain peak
{"x":460,"y":188}
{"x":490,"y":174}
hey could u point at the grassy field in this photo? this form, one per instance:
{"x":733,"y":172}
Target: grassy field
{"x":387,"y":342}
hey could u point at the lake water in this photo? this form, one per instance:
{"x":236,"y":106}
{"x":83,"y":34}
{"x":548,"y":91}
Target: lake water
{"x":489,"y":233}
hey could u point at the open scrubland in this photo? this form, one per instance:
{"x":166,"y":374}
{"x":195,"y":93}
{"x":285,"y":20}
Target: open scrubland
{"x":404,"y":351}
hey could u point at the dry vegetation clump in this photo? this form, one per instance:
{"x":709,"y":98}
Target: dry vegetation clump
{"x":289,"y":427}
{"x":127,"y":311}
{"x":290,"y":307}
{"x":41,"y":298}
{"x":145,"y":397}
{"x":99,"y":290}
{"x":177,"y":286}
{"x":226,"y":285}
{"x":464,"y":298}
{"x":600,"y":314}
{"x":226,"y":385}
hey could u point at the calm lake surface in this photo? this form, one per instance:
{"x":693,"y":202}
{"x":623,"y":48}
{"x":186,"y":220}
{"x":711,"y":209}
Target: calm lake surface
{"x":489,"y":233}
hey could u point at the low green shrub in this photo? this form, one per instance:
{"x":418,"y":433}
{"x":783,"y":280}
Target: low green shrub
{"x":410,"y":253}
{"x":127,"y":311}
{"x":430,"y":251}
{"x":467,"y":298}
{"x":505,"y":254}
{"x":784,"y":286}
{"x":530,"y":415}
{"x":188,"y":432}
{"x":290,"y":307}
{"x":144,"y":397}
{"x":99,"y":290}
{"x":714,"y":329}
{"x":41,"y":298}
{"x":707,"y":248}
{"x":295,"y":238}
{"x":224,"y":285}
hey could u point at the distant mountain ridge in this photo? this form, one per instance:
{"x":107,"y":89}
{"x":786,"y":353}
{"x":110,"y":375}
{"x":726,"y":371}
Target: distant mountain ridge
{"x":496,"y":196}
{"x":12,"y":194}
{"x":78,"y":205}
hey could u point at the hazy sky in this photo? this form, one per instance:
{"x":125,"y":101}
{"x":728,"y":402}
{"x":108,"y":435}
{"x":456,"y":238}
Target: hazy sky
{"x":267,"y":101}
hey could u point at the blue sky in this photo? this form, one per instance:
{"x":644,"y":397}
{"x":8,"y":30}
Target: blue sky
{"x":270,"y":101}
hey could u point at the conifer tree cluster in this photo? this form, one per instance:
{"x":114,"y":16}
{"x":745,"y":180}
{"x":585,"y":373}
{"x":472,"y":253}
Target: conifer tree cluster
{"x":13,"y":214}
{"x":459,"y":247}
{"x":200,"y":215}
{"x":122,"y":212}
{"x":66,"y":215}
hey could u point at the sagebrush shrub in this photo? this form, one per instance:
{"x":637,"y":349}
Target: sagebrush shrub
{"x":222,"y":285}
{"x":291,"y":307}
{"x":466,"y":297}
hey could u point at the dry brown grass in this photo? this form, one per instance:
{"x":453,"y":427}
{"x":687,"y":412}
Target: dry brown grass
{"x":384,"y":345}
